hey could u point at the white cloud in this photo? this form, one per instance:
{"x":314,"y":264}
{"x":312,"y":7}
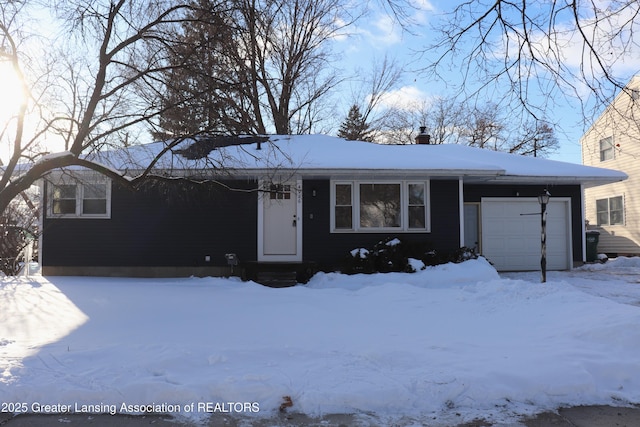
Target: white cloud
{"x":381,"y":33}
{"x":406,"y":98}
{"x":421,"y":11}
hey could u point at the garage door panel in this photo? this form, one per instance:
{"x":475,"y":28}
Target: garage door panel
{"x":511,"y":234}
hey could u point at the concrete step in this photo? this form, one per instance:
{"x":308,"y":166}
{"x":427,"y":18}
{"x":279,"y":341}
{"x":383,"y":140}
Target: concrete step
{"x":277,"y":279}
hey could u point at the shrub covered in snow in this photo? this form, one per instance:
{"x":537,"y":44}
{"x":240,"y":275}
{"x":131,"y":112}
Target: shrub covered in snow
{"x":394,"y":255}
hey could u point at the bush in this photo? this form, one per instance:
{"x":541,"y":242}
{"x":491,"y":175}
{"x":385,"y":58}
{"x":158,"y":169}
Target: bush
{"x":393,"y":255}
{"x":359,"y":261}
{"x":390,"y":255}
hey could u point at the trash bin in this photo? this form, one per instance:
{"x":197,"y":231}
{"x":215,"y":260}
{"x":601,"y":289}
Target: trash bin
{"x":592,"y":245}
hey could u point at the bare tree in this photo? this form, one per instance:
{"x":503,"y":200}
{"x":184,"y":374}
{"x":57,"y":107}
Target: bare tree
{"x":265,"y":64}
{"x":537,"y":54}
{"x":99,"y":82}
{"x":536,"y":139}
{"x":371,"y":95}
{"x":485,"y":128}
{"x":18,"y":231}
{"x":443,"y":118}
{"x":445,"y":121}
{"x":283,"y":53}
{"x":400,"y":126}
{"x":88,"y":99}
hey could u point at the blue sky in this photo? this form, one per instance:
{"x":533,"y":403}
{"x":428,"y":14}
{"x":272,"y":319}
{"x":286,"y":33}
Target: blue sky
{"x":378,"y":35}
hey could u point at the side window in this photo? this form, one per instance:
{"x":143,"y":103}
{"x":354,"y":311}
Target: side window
{"x":610,"y":211}
{"x":606,"y":149}
{"x":63,"y":199}
{"x":79,"y":199}
{"x":94,"y":199}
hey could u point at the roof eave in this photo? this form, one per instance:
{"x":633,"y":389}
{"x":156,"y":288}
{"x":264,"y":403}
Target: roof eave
{"x":492,"y":176}
{"x":338,"y":172}
{"x":560,"y":180}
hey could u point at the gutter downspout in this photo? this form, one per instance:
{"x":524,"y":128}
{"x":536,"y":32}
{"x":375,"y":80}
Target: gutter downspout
{"x":43,"y":201}
{"x":461,"y":208}
{"x":583,"y":226}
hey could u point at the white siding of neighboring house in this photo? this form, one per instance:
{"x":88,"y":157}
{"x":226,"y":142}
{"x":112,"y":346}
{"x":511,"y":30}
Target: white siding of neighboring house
{"x":621,"y":121}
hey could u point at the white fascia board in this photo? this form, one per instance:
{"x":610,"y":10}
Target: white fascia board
{"x":336,"y":173}
{"x":587,"y":180}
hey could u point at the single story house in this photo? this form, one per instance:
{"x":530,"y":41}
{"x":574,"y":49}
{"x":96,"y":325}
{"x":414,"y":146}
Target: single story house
{"x":308,"y":199}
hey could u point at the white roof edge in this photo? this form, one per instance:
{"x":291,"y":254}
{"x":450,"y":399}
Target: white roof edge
{"x":592,"y":180}
{"x":496,"y":176}
{"x":338,"y":172}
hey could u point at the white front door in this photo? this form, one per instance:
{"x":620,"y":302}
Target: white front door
{"x":279,"y":221}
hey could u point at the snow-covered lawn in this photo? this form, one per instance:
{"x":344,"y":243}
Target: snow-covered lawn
{"x":453,"y":342}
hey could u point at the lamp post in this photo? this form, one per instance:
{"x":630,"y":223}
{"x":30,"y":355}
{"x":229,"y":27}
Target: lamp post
{"x":543,"y":199}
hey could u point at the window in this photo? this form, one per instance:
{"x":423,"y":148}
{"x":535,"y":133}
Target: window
{"x":79,"y":199}
{"x":63,"y":199}
{"x":279,"y":191}
{"x":94,"y":199}
{"x":343,"y":207}
{"x":606,"y":149}
{"x":379,"y":206}
{"x":417,"y":206}
{"x":610,"y":211}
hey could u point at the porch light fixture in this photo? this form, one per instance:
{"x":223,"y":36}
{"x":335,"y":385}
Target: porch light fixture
{"x":543,"y":199}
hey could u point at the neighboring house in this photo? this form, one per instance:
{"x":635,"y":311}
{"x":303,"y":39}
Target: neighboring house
{"x":309,"y":200}
{"x":613,"y":141}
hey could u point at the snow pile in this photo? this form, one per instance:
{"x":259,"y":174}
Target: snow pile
{"x":449,"y":343}
{"x":437,"y":276}
{"x":616,"y":264}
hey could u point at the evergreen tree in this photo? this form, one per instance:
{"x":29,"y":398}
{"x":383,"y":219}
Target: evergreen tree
{"x":250,"y":67}
{"x":355,"y":127}
{"x":201,"y":86}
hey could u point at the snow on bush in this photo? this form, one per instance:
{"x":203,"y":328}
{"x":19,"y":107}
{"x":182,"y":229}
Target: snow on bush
{"x":393,"y":255}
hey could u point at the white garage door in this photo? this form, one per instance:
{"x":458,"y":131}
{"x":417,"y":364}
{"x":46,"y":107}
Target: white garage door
{"x":511,"y":233}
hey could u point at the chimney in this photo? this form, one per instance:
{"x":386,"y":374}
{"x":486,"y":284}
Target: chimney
{"x":423,"y":137}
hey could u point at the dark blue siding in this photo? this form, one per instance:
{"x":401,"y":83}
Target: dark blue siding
{"x":159,"y":226}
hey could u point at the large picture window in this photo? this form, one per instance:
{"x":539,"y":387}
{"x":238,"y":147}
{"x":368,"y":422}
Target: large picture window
{"x":79,"y":199}
{"x":380,"y":205}
{"x":359,"y":206}
{"x":610,"y":211}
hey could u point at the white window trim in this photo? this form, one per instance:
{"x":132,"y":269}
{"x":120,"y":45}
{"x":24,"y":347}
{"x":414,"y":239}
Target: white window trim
{"x":608,"y":199}
{"x":404,"y":209}
{"x":79,"y":198}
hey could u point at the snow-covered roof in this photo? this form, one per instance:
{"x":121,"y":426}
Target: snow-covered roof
{"x":327,"y":156}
